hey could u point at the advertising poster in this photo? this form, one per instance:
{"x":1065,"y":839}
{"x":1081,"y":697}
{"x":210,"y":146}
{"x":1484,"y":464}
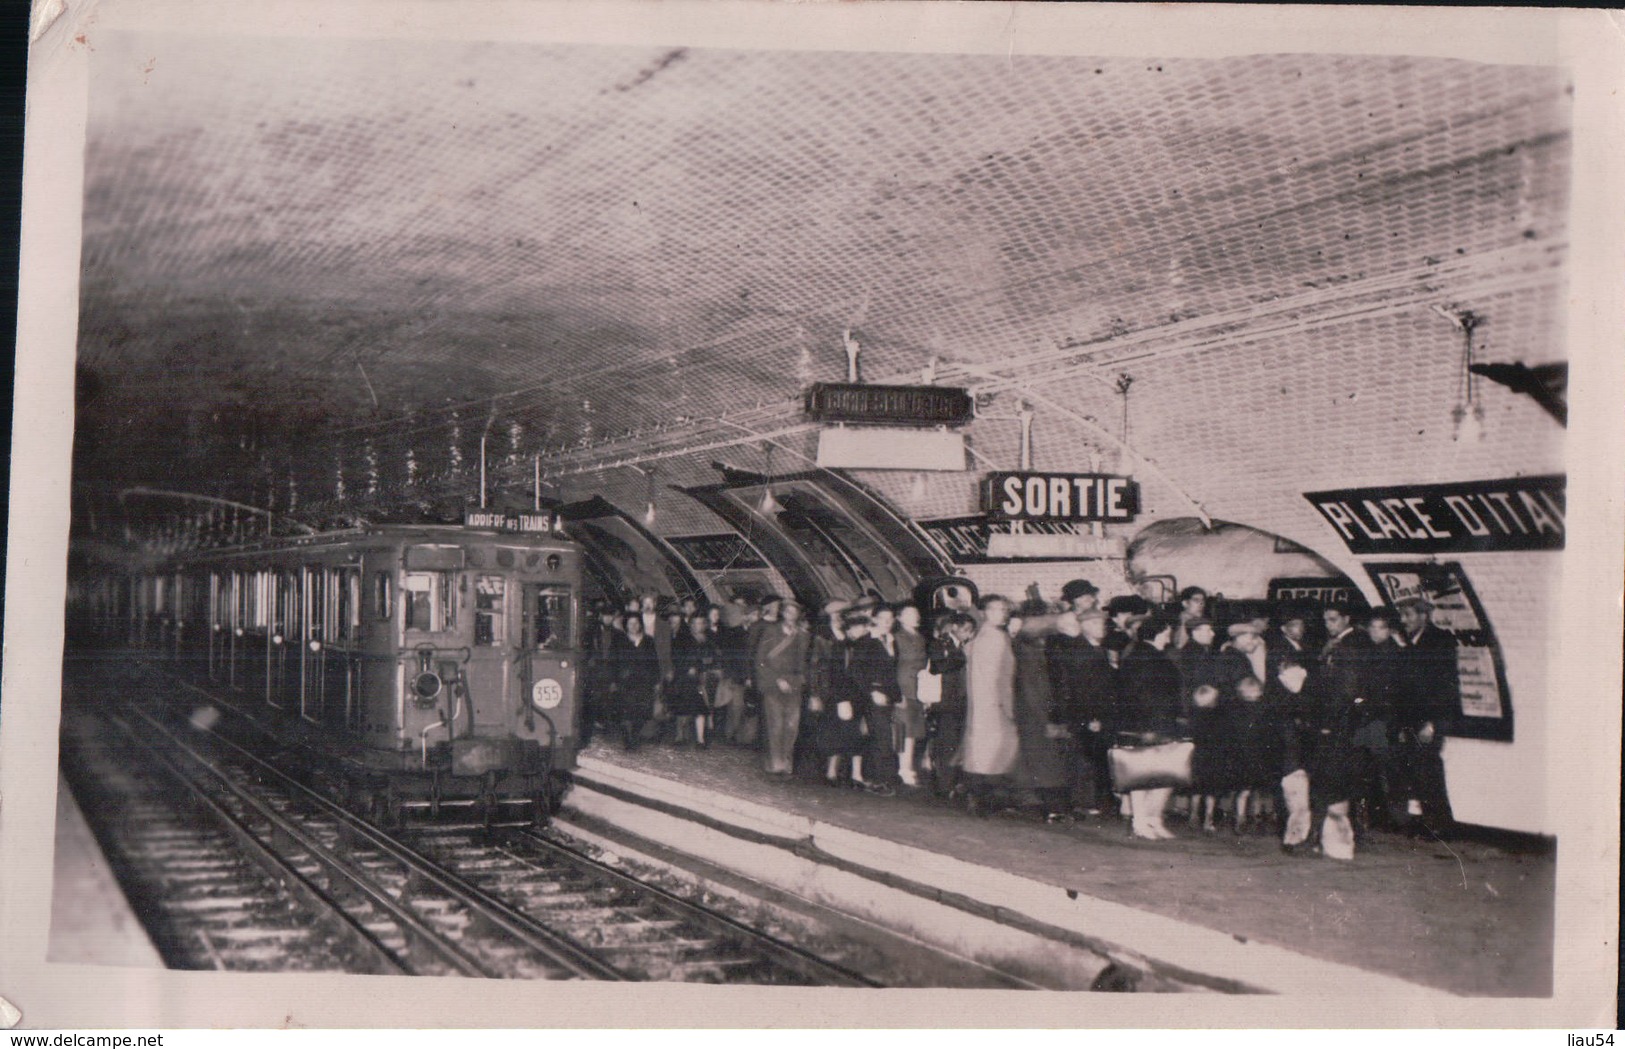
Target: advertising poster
{"x":1486,"y":706}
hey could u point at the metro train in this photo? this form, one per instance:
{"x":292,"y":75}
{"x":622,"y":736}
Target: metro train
{"x":428,"y":666}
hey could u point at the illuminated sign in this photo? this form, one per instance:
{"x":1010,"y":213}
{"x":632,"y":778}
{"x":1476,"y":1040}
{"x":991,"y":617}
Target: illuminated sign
{"x":873,"y":449}
{"x":1059,"y":497}
{"x":847,"y":402}
{"x":1520,"y":513}
{"x":492,"y":521}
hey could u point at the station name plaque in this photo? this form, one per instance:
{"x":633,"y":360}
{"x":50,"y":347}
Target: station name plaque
{"x":1518,"y":513}
{"x":861,"y":403}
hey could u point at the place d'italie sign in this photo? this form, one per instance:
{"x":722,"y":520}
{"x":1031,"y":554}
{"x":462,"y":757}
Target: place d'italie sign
{"x":1519,"y":513}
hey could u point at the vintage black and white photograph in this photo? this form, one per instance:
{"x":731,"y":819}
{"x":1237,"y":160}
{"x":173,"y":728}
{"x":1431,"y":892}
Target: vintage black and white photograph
{"x":817,"y":515}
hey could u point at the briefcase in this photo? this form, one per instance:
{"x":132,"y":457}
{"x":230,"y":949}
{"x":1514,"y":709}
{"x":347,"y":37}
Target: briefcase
{"x":1148,"y":766}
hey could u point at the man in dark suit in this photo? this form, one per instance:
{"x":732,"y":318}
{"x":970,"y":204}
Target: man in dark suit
{"x":1082,"y":687}
{"x":1427,"y":699}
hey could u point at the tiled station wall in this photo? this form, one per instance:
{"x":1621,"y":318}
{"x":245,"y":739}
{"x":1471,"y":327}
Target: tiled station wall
{"x":1344,"y":380}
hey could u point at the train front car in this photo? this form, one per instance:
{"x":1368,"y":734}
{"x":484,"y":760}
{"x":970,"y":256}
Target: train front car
{"x":482,"y":627}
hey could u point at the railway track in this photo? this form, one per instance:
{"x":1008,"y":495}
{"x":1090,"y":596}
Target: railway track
{"x":237,"y":865}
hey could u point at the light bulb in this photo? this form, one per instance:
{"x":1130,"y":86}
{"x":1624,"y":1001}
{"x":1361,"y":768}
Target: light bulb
{"x":1469,"y":422}
{"x":649,"y":515}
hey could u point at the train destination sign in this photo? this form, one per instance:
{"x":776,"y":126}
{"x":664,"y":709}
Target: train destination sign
{"x":1519,"y":513}
{"x":1027,"y":496}
{"x":498,"y":522}
{"x":852,"y":402}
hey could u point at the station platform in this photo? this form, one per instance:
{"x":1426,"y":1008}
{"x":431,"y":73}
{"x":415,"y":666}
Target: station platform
{"x":1405,"y":917}
{"x":91,"y":921}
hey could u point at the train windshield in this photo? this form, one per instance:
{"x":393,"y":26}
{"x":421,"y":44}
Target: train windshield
{"x":547,"y":615}
{"x":428,"y":600}
{"x":490,"y":610}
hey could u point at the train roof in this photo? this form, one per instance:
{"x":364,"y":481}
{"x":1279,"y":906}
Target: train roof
{"x":373,"y":536}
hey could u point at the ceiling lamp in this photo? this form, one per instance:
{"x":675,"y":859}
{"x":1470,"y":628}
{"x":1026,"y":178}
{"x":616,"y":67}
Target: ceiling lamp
{"x":1467,"y":416}
{"x":769,"y":505}
{"x":649,"y":511}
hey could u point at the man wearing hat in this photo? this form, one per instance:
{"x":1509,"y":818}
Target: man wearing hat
{"x":1197,"y":659}
{"x":1427,"y":699}
{"x":1082,"y":686}
{"x":1245,"y":656}
{"x":1081,"y":595}
{"x":1123,"y":613}
{"x":1291,"y":633}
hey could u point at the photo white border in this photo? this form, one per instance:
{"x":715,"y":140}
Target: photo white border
{"x":1584,"y":762}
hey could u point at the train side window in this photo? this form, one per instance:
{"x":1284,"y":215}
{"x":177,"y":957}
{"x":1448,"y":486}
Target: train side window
{"x":548,"y":617}
{"x":490,"y":610}
{"x":384,"y":595}
{"x":316,"y":604}
{"x":347,"y":595}
{"x":428,"y":598}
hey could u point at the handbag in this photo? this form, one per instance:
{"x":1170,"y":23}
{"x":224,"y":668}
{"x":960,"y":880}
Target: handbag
{"x":1148,"y":766}
{"x":928,"y":687}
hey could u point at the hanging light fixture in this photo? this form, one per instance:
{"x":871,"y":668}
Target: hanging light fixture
{"x":649,"y":512}
{"x":1468,"y":414}
{"x":769,"y":505}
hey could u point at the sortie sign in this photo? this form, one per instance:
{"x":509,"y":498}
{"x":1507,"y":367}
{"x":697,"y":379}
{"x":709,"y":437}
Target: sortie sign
{"x":1519,"y":513}
{"x":1026,"y":496}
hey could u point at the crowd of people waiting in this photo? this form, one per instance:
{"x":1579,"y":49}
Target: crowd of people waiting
{"x":1315,"y":735}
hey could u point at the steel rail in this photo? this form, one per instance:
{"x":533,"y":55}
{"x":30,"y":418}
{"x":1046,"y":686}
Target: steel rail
{"x":278,"y":867}
{"x":418,"y":931}
{"x":496,"y":914}
{"x":776,"y":950}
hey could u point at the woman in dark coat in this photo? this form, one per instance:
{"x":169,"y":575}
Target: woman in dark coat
{"x":696,"y":667}
{"x":1213,"y":763}
{"x":1338,"y":764}
{"x":841,"y":732}
{"x":636,"y":674}
{"x":1257,"y":725}
{"x":1149,"y":709}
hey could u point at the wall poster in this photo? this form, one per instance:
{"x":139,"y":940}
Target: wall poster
{"x":1486,"y":704}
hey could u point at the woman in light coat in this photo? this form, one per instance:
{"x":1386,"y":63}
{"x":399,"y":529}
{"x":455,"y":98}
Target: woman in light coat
{"x":991,"y":742}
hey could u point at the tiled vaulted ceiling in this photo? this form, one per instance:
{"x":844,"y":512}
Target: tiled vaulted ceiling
{"x":294,"y":248}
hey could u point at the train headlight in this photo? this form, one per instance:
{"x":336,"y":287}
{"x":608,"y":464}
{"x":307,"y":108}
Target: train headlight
{"x":426,"y":686}
{"x":546,"y":694}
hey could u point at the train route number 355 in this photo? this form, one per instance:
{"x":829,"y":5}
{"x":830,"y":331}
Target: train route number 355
{"x":547,"y":693}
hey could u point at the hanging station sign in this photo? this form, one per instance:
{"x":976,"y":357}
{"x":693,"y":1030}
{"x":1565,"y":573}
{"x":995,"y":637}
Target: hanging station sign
{"x":1519,"y":513}
{"x":976,"y":541}
{"x":1485,"y":704}
{"x":499,"y":522}
{"x":1028,"y":496}
{"x":861,"y":403}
